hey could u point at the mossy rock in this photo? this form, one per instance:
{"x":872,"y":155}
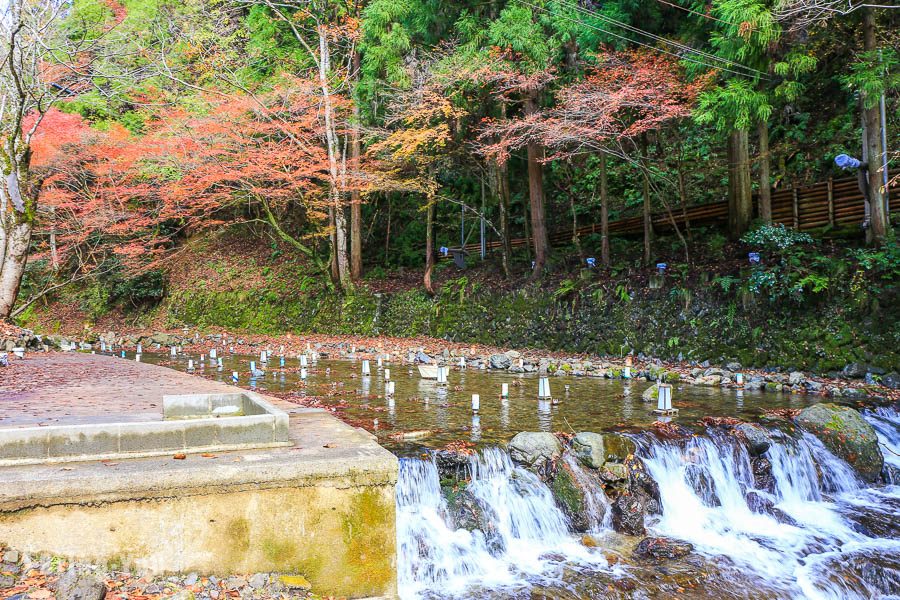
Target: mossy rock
{"x":847,"y":435}
{"x":618,"y":447}
{"x":570,"y":496}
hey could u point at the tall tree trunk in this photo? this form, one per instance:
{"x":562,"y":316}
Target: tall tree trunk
{"x":15,"y":256}
{"x":429,"y":247}
{"x":648,"y":224}
{"x":604,"y":212}
{"x":502,"y":174}
{"x":337,"y":173}
{"x":536,"y":197}
{"x":765,"y":180}
{"x":879,"y":223}
{"x":356,"y":267}
{"x":740,"y":199}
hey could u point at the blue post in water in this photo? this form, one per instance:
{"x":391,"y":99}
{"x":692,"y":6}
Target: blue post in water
{"x":123,"y":354}
{"x":281,"y":361}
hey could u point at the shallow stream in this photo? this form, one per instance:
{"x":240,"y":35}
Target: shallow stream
{"x":825,"y":535}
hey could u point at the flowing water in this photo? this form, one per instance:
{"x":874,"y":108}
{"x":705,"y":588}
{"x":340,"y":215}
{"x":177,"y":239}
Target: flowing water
{"x":815,"y":531}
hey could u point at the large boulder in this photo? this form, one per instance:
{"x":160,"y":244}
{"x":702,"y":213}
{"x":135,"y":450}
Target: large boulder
{"x":499,"y":362}
{"x":847,"y":435}
{"x":534,"y":449}
{"x":588,"y":448}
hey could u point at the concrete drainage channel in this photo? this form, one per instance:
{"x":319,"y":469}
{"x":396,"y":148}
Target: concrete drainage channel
{"x":191,"y":423}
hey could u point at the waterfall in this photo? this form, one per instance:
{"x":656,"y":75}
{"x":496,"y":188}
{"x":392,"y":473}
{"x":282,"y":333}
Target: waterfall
{"x":788,"y":538}
{"x":596,"y":504}
{"x":886,"y":421}
{"x":795,"y":523}
{"x":528,"y":536}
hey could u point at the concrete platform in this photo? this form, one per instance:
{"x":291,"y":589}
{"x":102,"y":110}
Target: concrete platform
{"x":323,"y":507}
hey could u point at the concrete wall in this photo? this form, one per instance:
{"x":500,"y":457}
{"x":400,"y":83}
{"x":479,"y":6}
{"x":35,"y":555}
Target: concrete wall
{"x":341,"y":539}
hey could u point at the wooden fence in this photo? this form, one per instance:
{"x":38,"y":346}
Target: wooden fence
{"x":835,"y":202}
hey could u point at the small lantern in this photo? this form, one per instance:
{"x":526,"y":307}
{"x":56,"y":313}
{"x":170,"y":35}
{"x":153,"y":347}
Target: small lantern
{"x":661,"y":268}
{"x":544,"y":387}
{"x":366,"y":369}
{"x":754,"y":258}
{"x":591,"y":262}
{"x":504,"y":390}
{"x":476,"y":402}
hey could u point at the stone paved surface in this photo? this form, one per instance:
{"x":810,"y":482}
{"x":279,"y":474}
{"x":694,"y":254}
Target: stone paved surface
{"x":74,"y":388}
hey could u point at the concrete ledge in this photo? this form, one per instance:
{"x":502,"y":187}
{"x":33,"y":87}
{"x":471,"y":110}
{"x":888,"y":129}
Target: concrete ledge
{"x":323,"y":508}
{"x":248,"y":421}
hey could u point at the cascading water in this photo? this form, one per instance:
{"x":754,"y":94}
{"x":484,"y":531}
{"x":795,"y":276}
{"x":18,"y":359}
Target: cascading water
{"x":788,"y":538}
{"x":527,"y":537}
{"x":808,"y":529}
{"x":886,"y":422}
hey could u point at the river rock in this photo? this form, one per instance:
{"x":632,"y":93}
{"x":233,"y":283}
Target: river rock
{"x":77,"y":584}
{"x":628,"y":514}
{"x":760,"y":504}
{"x":757,"y":439}
{"x":588,"y":448}
{"x":451,"y":465}
{"x":891,"y":380}
{"x":795,"y":378}
{"x":651,"y":393}
{"x":570,"y":495}
{"x":641,"y":484}
{"x":847,"y":435}
{"x":662,"y":548}
{"x":534,"y":449}
{"x":618,"y":447}
{"x":762,"y":474}
{"x":469,"y":513}
{"x":499,"y":362}
{"x":855,"y":370}
{"x":698,"y":477}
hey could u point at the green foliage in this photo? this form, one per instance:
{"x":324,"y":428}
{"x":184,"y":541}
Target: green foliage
{"x":874,"y":73}
{"x":776,"y":237}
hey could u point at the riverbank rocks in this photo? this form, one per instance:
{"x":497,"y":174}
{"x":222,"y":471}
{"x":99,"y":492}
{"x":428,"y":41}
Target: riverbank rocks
{"x":847,"y":435}
{"x":662,"y":548}
{"x":651,"y":393}
{"x":499,"y":362}
{"x":534,"y":449}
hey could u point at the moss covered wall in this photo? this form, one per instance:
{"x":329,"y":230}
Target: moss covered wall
{"x":672,"y":322}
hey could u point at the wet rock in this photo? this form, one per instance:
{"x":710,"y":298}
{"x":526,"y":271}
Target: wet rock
{"x":423,"y":358}
{"x":588,"y":448}
{"x":847,"y":435}
{"x":471,"y":514}
{"x":258,"y":581}
{"x":534,"y":449}
{"x":700,"y":480}
{"x":762,"y":474}
{"x":717,"y":372}
{"x":11,"y":556}
{"x":570,"y":496}
{"x":640,"y":483}
{"x":760,"y":504}
{"x":733,"y":366}
{"x":77,"y":584}
{"x":618,"y":447}
{"x":451,"y":465}
{"x":651,"y":393}
{"x":628,"y":514}
{"x":795,"y":378}
{"x":613,"y":472}
{"x":499,"y":362}
{"x":757,"y":439}
{"x":709,"y":380}
{"x":662,"y":548}
{"x":755,"y":383}
{"x":813,"y":387}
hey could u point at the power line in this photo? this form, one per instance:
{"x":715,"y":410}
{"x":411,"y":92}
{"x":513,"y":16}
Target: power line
{"x":694,"y":12}
{"x":659,"y":38}
{"x":632,"y":41}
